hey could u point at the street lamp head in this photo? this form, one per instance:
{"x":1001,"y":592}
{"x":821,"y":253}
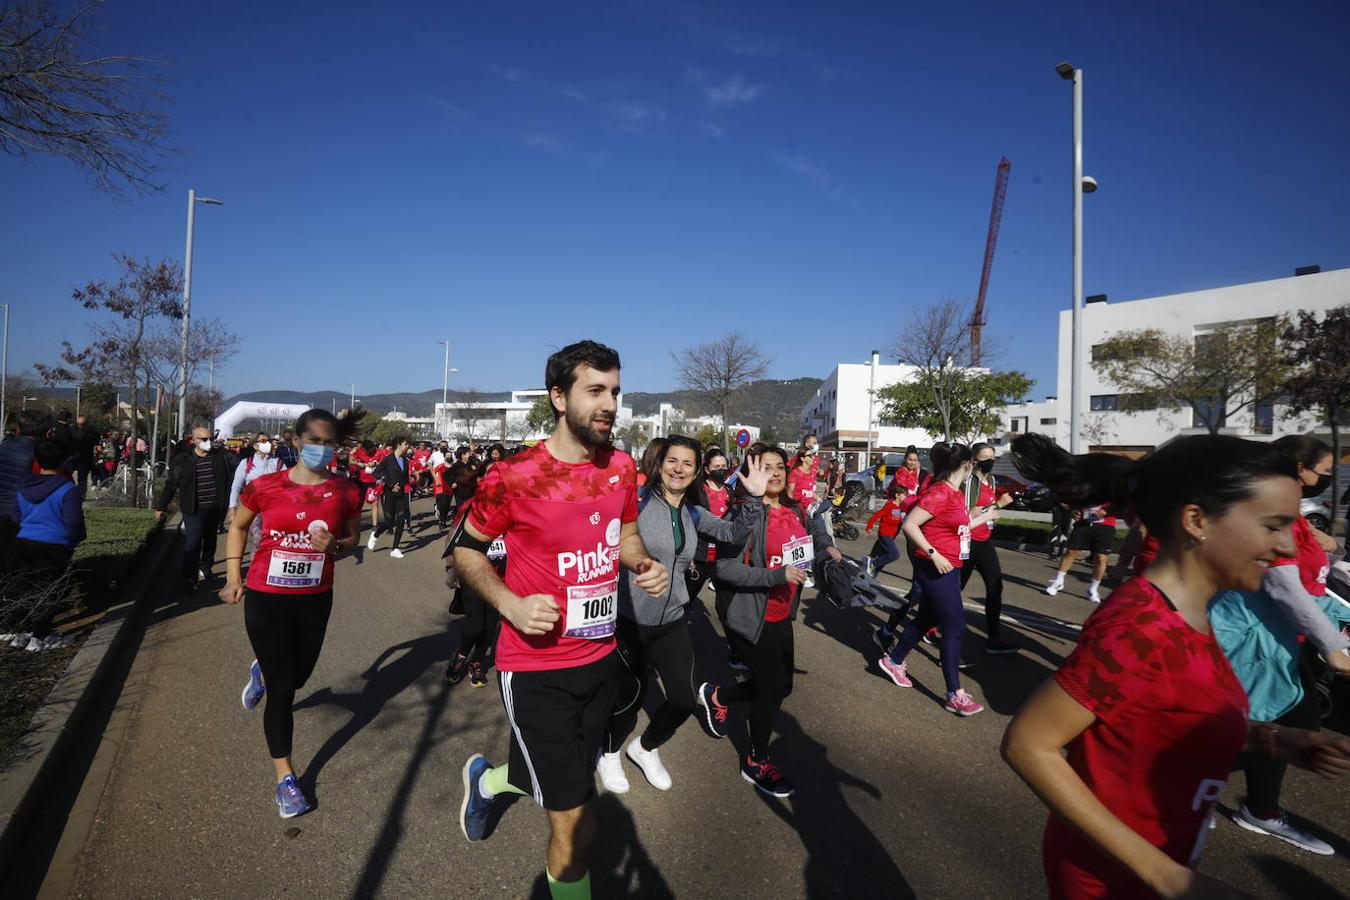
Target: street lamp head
{"x":1089,"y":184}
{"x":1065,"y":71}
{"x":454,"y":371}
{"x":210,"y":201}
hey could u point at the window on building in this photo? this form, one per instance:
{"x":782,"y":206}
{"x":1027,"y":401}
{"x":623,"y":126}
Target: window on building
{"x":1105,"y":402}
{"x":1263,"y":417}
{"x":1100,"y":354}
{"x":1049,"y":421}
{"x":1205,"y":412}
{"x":1016,"y":425}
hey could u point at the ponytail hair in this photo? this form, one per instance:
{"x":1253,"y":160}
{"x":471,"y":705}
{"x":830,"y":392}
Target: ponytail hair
{"x":1211,"y":471}
{"x":345,"y":426}
{"x":947,"y":458}
{"x":1302,"y":448}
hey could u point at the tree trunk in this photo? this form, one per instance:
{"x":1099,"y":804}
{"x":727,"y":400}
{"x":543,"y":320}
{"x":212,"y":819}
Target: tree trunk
{"x":726,"y":424}
{"x":1335,"y":466}
{"x":131,"y":457}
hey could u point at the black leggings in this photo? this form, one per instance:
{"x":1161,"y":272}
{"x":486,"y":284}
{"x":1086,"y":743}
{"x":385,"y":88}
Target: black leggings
{"x":286,"y":631}
{"x":984,"y":557}
{"x":770,"y":661}
{"x":697,"y":575}
{"x":396,"y":515}
{"x":1265,"y":776}
{"x":666,"y":648}
{"x":442,"y":509}
{"x":481,"y":622}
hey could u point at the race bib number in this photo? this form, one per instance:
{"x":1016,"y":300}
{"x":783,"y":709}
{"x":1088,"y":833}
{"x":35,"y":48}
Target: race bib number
{"x":591,"y":610}
{"x":295,"y":570}
{"x":799,"y":552}
{"x":964,"y":531}
{"x":497,"y":550}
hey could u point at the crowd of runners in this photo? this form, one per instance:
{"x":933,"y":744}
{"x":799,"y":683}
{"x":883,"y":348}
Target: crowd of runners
{"x":576,"y":570}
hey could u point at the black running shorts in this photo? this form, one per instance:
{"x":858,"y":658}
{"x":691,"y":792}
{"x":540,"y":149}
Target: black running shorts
{"x":1098,"y":538}
{"x":558,"y":720}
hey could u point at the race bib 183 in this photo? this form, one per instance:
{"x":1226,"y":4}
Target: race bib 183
{"x":799,"y":552}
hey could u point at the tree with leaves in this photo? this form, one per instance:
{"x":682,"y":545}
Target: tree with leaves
{"x":1318,"y":355}
{"x":540,"y":418}
{"x":60,"y":96}
{"x":946,"y":398}
{"x":1217,"y":375}
{"x":718,"y":370}
{"x":145,"y":293}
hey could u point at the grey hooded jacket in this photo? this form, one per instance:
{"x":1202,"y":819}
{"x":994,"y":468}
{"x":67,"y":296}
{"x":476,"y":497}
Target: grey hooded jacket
{"x":654,"y":525}
{"x":751,"y":582}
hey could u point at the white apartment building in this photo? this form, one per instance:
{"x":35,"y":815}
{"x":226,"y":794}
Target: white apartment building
{"x":837,"y":414}
{"x":670,"y":419}
{"x":1104,"y":423}
{"x":1029,"y":417}
{"x":498,"y":420}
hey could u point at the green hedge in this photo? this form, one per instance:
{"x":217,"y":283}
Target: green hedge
{"x":115,"y":535}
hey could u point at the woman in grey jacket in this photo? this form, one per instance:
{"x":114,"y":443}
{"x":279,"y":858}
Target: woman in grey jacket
{"x":766,"y":572}
{"x":654,"y":633}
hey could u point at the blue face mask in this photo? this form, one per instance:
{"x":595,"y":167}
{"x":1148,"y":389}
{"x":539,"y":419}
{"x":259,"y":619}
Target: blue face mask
{"x":316,"y":456}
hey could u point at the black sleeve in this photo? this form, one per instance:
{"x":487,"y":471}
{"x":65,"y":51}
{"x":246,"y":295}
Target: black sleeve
{"x":170,"y":488}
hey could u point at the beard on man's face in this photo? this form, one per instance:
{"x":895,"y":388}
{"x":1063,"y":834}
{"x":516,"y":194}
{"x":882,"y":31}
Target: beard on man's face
{"x":583,"y":427}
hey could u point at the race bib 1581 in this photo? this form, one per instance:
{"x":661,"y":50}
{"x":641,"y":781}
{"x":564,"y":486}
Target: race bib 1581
{"x":295,"y":570}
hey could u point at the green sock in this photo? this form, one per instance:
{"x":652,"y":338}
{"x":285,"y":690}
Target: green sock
{"x":569,"y":890}
{"x":497,"y":781}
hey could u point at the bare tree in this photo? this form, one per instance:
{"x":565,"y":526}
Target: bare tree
{"x":466,"y":418}
{"x":59,"y":96}
{"x":719,"y":369}
{"x":145,"y":292}
{"x":211,"y":343}
{"x":932,"y":342}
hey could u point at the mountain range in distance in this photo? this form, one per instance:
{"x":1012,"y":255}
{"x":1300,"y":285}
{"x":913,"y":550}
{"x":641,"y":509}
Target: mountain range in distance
{"x":768,"y":403}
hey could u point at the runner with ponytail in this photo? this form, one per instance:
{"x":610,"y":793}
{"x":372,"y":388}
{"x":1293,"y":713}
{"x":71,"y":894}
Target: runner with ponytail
{"x":1131,"y":742}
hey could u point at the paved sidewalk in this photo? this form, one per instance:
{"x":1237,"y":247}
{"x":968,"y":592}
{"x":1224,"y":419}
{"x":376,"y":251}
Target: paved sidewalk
{"x":896,"y":797}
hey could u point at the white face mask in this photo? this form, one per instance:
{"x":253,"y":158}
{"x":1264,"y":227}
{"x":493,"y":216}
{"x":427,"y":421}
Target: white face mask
{"x":204,"y":445}
{"x":264,"y":447}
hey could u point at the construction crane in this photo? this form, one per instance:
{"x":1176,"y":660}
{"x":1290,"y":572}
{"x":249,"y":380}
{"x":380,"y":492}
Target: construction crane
{"x":977,"y":320}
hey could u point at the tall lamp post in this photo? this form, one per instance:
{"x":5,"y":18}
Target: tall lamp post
{"x":871,"y":398}
{"x":1081,"y":185}
{"x":193,"y":200}
{"x":4,"y":370}
{"x":444,"y":426}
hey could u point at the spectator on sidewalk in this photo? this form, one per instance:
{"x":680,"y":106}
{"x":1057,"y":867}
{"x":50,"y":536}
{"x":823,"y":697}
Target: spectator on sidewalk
{"x":16,"y":464}
{"x":51,"y":525}
{"x":83,"y":441}
{"x":200,"y":479}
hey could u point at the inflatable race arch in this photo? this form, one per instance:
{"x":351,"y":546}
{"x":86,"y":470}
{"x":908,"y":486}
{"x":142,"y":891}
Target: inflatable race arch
{"x":245,"y":409}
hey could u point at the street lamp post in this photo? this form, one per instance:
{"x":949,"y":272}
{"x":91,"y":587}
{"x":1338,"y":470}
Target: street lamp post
{"x":871,"y":399}
{"x":4,"y":370}
{"x":445,"y":392}
{"x":193,"y":200}
{"x":1081,"y":186}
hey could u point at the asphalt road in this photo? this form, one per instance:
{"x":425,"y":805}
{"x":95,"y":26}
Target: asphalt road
{"x":895,"y":798}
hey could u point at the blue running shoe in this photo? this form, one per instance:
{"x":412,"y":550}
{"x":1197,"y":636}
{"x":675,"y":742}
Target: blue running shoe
{"x":473,"y":812}
{"x":254,"y":690}
{"x":291,"y":799}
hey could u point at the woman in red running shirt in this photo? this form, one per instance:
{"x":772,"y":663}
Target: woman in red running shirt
{"x":1147,"y":708}
{"x":938,"y":530}
{"x":309,"y":516}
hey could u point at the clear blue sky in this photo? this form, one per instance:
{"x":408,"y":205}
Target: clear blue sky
{"x":517,"y":176}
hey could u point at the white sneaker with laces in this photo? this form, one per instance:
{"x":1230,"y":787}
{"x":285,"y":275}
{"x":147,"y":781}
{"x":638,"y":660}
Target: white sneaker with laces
{"x":1279,"y":827}
{"x":649,"y":761}
{"x":370,"y":544}
{"x":1053,"y":587}
{"x":396,"y":553}
{"x":1094,"y":597}
{"x":610,"y":767}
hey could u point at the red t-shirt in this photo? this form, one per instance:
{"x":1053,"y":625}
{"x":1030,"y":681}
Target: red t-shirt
{"x":1314,"y":565}
{"x":802,"y":486}
{"x":891,"y":516}
{"x":438,"y":483}
{"x":562,"y":523}
{"x":785,"y":538}
{"x":906,"y":480}
{"x":1098,"y":515}
{"x":908,"y":503}
{"x":286,"y":561}
{"x":1171,"y":718}
{"x":718,"y":502}
{"x":949,"y":529}
{"x":985,"y":498}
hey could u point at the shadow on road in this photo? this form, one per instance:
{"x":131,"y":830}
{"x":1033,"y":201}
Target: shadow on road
{"x":843,"y":857}
{"x":1294,"y":881}
{"x":620,"y":864}
{"x":393,"y":671}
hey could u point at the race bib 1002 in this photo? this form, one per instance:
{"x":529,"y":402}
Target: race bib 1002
{"x":592,"y":610}
{"x":295,"y":570}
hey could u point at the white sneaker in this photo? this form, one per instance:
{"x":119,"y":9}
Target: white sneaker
{"x":396,"y":553}
{"x":610,"y":767}
{"x":1279,"y":827}
{"x":1094,"y":597}
{"x":202,"y":575}
{"x":1053,"y":587}
{"x":20,"y":640}
{"x":370,"y":544}
{"x":34,"y":645}
{"x":810,"y":582}
{"x":57,"y":641}
{"x":649,"y":761}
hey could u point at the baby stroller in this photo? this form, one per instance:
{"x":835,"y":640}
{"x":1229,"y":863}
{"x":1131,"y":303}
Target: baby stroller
{"x":848,"y":502}
{"x":845,"y":583}
{"x":1333,"y":692}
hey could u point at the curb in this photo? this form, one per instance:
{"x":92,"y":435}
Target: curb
{"x":63,"y":712}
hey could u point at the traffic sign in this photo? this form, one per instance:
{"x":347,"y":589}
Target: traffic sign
{"x":742,"y":438}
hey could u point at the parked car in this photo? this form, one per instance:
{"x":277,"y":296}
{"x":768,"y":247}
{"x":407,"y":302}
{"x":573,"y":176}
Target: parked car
{"x":1318,"y":511}
{"x":1034,"y":498}
{"x":1005,"y":484}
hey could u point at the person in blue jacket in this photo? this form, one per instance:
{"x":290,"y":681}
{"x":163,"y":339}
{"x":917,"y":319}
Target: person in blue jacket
{"x":51,"y":525}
